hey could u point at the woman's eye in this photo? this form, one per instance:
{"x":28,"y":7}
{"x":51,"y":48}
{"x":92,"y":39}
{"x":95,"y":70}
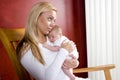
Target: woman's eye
{"x":49,"y":19}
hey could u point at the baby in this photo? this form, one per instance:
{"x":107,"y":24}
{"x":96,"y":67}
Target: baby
{"x":56,"y":38}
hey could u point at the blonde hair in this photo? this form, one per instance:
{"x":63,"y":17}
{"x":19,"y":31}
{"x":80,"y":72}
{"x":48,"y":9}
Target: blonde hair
{"x":31,"y":36}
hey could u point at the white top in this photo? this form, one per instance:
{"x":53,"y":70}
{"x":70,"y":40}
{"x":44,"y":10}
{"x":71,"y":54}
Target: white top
{"x":59,"y":41}
{"x":51,"y":70}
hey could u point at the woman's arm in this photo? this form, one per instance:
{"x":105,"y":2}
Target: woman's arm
{"x":53,"y":70}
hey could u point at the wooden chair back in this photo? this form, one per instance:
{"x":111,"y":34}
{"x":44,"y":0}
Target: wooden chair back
{"x":10,"y":38}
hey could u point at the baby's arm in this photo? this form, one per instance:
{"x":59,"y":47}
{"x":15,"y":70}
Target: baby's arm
{"x":69,"y":73}
{"x":52,"y":48}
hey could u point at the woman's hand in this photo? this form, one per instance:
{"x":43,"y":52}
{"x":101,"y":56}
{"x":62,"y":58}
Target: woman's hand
{"x":70,"y":63}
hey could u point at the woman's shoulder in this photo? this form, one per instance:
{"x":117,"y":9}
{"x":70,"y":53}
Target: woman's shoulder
{"x":25,"y":49}
{"x":26,"y":55}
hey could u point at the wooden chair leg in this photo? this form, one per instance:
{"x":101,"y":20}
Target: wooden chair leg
{"x":107,"y":74}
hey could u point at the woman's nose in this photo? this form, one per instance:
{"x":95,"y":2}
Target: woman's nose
{"x":52,"y":24}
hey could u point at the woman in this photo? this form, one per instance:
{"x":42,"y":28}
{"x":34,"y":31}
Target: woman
{"x":40,"y":62}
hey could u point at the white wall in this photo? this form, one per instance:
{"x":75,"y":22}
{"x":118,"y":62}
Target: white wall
{"x":103,"y":35}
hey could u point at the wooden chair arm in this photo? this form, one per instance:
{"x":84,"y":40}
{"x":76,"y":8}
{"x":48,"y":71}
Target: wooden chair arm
{"x":105,"y":68}
{"x":96,"y":68}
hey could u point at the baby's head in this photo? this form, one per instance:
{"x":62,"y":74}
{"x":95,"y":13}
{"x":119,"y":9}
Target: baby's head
{"x":55,"y":33}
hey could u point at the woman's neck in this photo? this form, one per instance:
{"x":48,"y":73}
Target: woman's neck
{"x":42,"y":39}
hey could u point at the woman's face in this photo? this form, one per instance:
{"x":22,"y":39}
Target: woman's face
{"x":46,"y":21}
